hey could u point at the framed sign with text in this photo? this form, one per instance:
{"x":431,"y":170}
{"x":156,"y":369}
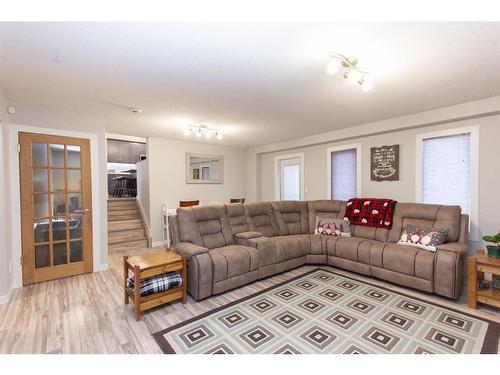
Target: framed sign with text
{"x":384,"y":163}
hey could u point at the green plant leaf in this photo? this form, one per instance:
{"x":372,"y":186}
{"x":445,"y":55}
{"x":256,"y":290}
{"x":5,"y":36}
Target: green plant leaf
{"x":492,"y":239}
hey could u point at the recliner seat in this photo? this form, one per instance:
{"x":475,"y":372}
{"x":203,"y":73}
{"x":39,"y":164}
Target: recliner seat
{"x":231,"y":245}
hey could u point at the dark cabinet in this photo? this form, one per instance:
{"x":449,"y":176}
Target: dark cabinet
{"x":112,"y":151}
{"x":125,"y":152}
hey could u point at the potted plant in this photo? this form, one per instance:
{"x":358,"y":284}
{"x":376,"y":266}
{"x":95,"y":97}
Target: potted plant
{"x":493,"y":250}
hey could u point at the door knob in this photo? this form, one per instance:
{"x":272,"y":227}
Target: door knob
{"x":82,"y":211}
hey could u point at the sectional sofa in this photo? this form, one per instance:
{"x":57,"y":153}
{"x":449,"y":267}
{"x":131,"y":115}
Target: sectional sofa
{"x":231,"y":245}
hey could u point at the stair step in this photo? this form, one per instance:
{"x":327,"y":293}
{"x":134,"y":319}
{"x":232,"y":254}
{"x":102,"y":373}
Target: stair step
{"x":120,"y":225}
{"x":123,"y":215}
{"x":131,"y":245}
{"x":123,"y":206}
{"x":126,"y":236}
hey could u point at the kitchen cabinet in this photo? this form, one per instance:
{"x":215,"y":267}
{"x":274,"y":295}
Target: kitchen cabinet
{"x":125,"y":152}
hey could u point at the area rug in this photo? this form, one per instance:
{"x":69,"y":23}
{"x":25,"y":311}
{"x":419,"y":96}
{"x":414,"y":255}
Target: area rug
{"x":324,"y":312}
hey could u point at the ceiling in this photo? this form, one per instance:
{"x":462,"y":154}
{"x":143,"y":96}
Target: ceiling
{"x":259,"y":82}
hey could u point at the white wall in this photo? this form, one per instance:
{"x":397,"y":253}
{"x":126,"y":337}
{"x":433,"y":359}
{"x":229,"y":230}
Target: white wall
{"x":167,"y":177}
{"x":51,"y":118}
{"x":143,"y":188}
{"x":5,"y":222}
{"x":315,"y":160}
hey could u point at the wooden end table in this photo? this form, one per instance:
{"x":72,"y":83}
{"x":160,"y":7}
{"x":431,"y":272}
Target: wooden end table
{"x":477,"y":265}
{"x":149,"y":265}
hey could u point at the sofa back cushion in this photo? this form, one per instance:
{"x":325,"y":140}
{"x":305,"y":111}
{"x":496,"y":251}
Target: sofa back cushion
{"x":426,"y":216}
{"x":326,"y":208}
{"x":261,"y":218}
{"x":206,"y":226}
{"x":291,"y":217}
{"x":371,"y":233}
{"x":237,"y":218}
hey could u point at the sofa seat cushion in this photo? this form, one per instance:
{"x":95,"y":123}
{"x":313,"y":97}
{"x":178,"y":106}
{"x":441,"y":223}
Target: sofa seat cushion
{"x":291,"y":247}
{"x":233,"y":260}
{"x":408,"y":260}
{"x":355,"y":249}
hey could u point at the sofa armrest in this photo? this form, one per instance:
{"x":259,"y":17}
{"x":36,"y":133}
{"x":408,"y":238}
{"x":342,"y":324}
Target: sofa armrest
{"x":248,"y":235}
{"x":457,"y":247}
{"x":189,"y":250}
{"x":449,"y":269}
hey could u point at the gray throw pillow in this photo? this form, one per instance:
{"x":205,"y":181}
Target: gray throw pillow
{"x":424,"y":238}
{"x":328,"y":226}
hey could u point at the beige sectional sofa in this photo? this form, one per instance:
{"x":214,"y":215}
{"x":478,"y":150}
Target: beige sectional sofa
{"x":231,"y":245}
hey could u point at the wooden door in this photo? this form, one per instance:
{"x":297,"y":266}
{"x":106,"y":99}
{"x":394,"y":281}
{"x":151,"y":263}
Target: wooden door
{"x":56,"y":202}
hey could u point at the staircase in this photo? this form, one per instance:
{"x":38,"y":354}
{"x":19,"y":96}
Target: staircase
{"x":125,"y":228}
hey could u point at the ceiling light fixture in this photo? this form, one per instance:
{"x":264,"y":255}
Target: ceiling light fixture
{"x":351,"y":70}
{"x":201,"y":130}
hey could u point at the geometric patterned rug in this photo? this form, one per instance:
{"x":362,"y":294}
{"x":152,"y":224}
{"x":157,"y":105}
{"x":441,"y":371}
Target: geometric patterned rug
{"x":324,"y":312}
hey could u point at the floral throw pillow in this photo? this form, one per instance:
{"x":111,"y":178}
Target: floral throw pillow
{"x":424,"y":238}
{"x":330,"y":227}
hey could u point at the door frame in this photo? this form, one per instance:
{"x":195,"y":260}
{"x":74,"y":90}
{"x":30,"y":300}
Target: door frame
{"x":97,"y":231}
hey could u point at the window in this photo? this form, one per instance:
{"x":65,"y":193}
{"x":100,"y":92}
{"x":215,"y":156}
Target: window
{"x":344,"y":171}
{"x":289,"y":177}
{"x":447,"y":170}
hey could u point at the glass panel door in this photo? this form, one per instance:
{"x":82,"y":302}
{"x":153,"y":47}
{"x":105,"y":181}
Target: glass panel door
{"x":56,"y":206}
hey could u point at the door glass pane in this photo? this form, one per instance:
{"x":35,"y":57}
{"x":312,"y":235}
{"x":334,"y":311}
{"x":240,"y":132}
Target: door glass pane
{"x":40,"y":181}
{"x":75,"y":251}
{"x":74,"y":202}
{"x":58,"y":180}
{"x":73,"y":156}
{"x":41,"y":205}
{"x":39,"y":154}
{"x":59,"y":229}
{"x":41,"y":230}
{"x":57,"y":156}
{"x":74,"y":179}
{"x":42,"y":257}
{"x":75,"y":227}
{"x":60,"y":256}
{"x":58,"y":206}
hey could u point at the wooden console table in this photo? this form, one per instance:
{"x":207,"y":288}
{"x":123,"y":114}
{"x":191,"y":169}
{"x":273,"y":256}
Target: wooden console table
{"x":149,"y":265}
{"x":477,"y":265}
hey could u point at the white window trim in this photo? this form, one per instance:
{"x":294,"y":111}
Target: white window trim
{"x":474,"y":171}
{"x":329,"y":151}
{"x":277,"y":174}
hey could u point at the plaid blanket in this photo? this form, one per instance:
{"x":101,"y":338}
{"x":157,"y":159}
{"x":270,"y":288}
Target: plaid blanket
{"x":370,"y":212}
{"x":157,"y":284}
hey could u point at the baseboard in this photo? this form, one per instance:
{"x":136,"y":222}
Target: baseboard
{"x":158,"y":244}
{"x":144,"y":222}
{"x":6,"y":298}
{"x":101,"y":267}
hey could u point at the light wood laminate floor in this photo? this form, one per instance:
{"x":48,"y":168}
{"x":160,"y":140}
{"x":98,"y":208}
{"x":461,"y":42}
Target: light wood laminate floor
{"x":86,"y":314}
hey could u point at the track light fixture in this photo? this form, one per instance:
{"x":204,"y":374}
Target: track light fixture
{"x":202,"y":130}
{"x":351,"y":72}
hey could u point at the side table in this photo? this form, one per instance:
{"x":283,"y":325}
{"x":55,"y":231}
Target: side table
{"x":149,"y":265}
{"x":478,"y":264}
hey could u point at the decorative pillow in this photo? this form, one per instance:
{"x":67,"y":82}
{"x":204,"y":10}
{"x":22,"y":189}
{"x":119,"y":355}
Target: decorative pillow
{"x":424,"y":238}
{"x":325,"y":225}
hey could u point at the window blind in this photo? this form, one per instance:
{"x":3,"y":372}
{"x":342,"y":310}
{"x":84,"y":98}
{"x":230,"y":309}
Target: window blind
{"x":446,"y":171}
{"x":290,"y":179}
{"x":344,"y":174}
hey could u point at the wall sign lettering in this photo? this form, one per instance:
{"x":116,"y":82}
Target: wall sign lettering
{"x":385,"y":163}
